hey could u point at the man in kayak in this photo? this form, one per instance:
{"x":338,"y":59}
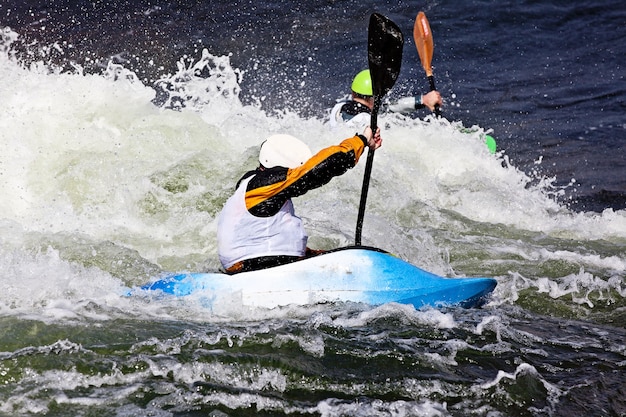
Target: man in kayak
{"x":357,"y":109}
{"x":257,"y":227}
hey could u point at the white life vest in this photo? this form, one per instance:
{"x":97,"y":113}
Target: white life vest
{"x":240,"y":235}
{"x":358,"y":122}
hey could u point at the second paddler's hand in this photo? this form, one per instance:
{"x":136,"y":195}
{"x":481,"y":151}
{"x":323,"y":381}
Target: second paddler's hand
{"x":432,"y":99}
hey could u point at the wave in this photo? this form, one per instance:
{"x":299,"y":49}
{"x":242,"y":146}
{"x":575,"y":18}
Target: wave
{"x":127,"y":178}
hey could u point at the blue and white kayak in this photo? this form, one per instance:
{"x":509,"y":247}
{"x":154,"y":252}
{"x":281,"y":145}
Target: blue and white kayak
{"x":353,"y":274}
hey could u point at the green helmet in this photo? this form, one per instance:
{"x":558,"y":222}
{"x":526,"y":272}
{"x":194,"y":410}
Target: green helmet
{"x":362,"y":83}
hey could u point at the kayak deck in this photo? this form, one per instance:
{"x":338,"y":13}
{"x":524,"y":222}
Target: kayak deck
{"x":352,"y":274}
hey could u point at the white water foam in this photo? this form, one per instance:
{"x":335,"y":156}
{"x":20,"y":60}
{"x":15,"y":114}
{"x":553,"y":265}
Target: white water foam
{"x":91,"y":157}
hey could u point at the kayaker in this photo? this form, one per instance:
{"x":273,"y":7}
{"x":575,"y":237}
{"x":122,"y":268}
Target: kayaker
{"x":257,"y":227}
{"x":356,"y":109}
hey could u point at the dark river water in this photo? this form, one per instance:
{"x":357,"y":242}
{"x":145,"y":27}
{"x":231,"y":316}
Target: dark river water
{"x":125,"y":125}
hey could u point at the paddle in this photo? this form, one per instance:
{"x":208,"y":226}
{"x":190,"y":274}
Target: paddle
{"x":425,"y":46}
{"x":384,"y":53}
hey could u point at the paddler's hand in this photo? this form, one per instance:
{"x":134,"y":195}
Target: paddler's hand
{"x":431,"y":99}
{"x":373,"y":141}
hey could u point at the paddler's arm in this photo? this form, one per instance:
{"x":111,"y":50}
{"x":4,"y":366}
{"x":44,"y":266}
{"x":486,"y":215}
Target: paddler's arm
{"x":269,"y":189}
{"x":410,"y":104}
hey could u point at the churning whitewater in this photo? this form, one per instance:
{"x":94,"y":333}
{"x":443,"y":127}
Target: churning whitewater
{"x":113,"y":172}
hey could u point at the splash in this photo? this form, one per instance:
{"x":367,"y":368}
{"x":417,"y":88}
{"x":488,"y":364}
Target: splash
{"x":140,"y":172}
{"x":200,"y":84}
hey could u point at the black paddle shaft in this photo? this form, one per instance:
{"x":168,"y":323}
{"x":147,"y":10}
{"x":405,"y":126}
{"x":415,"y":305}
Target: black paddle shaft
{"x":431,"y":81}
{"x":384,"y":53}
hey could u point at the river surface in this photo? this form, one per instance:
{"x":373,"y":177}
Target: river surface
{"x":125,"y":125}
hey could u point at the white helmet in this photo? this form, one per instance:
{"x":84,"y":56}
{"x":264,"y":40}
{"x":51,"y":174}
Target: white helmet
{"x":283,"y":151}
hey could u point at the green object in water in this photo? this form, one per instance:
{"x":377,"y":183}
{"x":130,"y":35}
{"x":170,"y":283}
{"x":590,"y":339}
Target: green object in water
{"x":491,"y":143}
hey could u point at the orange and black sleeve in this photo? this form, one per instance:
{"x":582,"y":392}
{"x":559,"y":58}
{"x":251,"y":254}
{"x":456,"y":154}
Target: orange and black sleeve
{"x":270,"y":188}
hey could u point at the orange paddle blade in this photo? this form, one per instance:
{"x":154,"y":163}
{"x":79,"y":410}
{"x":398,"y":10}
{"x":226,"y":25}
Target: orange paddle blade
{"x":424,"y":42}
